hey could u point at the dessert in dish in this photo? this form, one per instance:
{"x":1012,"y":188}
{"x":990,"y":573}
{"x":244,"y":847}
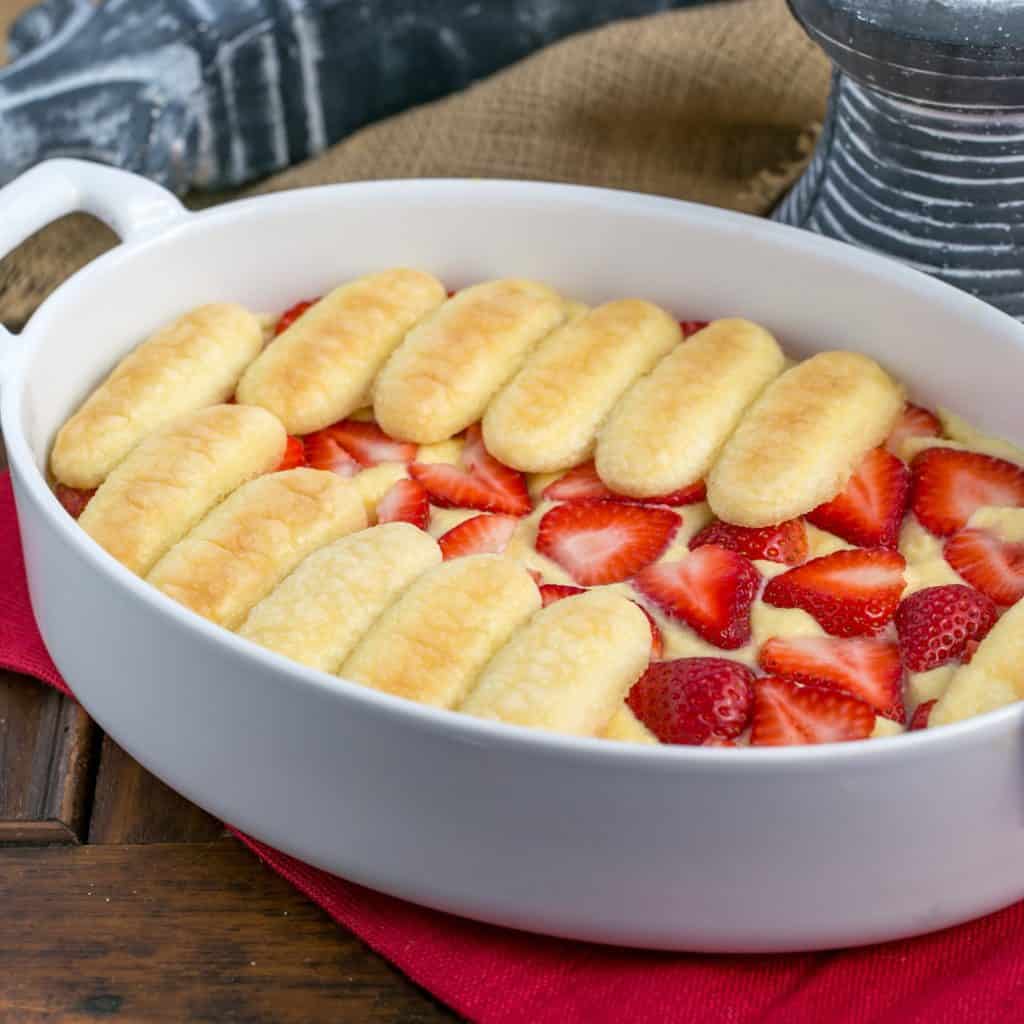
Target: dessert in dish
{"x":593,"y":521}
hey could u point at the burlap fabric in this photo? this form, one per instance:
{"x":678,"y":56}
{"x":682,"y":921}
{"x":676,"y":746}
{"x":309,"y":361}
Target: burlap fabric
{"x":717,"y":104}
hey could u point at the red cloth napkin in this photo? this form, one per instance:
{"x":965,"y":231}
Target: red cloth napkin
{"x":972,"y":973}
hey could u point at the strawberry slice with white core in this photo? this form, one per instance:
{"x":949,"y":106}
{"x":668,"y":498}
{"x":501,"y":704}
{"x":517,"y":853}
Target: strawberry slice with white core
{"x":712,"y":591}
{"x":369,"y":445}
{"x":508,"y":482}
{"x":938,"y":625}
{"x":451,"y":487}
{"x":604,"y":541}
{"x":583,"y":484}
{"x":552,"y":592}
{"x":915,"y":422}
{"x":949,"y":486}
{"x":406,"y":501}
{"x":785,"y":543}
{"x":864,"y":667}
{"x":849,"y":593}
{"x":323,"y":451}
{"x":480,"y":535}
{"x":294,"y":455}
{"x":869,"y":510}
{"x":694,"y":701}
{"x":789,"y":714}
{"x":990,"y":564}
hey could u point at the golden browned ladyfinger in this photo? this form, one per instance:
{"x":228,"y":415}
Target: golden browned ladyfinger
{"x":798,"y":444}
{"x":666,"y":431}
{"x":251,"y":541}
{"x":442,"y":377}
{"x":193,"y":362}
{"x":432,"y":643}
{"x":320,"y":369}
{"x":175,"y":476}
{"x":569,"y":668}
{"x":320,"y":612}
{"x":547,"y":417}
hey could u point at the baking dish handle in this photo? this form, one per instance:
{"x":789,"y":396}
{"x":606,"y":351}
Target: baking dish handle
{"x":132,"y":206}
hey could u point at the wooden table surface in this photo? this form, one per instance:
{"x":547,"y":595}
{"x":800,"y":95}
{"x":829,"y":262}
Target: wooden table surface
{"x":122,"y":901}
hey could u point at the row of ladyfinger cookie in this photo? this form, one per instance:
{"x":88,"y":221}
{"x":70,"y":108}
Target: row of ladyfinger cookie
{"x":553,"y":383}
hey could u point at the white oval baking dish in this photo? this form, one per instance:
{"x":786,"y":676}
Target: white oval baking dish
{"x":672,"y":847}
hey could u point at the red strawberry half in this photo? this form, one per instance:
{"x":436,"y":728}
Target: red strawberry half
{"x":950,"y":485}
{"x":937,"y":625}
{"x":290,"y":315}
{"x":869,"y":510}
{"x":921,"y":715}
{"x":915,"y":422}
{"x":551,"y":592}
{"x":406,"y":501}
{"x":73,"y":499}
{"x":369,"y":445}
{"x":993,"y":566}
{"x":850,"y":593}
{"x":604,"y":541}
{"x":294,"y":455}
{"x":323,"y":452}
{"x":481,"y":535}
{"x":712,"y":591}
{"x":785,"y":543}
{"x":694,"y":700}
{"x":583,"y":484}
{"x":787,"y":713}
{"x":863,"y":667}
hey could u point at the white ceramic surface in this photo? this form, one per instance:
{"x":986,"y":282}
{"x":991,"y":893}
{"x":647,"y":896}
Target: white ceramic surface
{"x":679,"y":848}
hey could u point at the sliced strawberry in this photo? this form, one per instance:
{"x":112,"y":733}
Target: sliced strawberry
{"x":323,"y":452}
{"x":583,"y":484}
{"x":694,"y":700}
{"x":294,"y":455}
{"x":785,"y":543}
{"x":481,"y":535}
{"x":369,"y":445}
{"x":921,"y":715}
{"x":605,"y":541}
{"x":936,"y":624}
{"x":850,"y":593}
{"x":712,"y":591}
{"x":915,"y":422}
{"x":73,"y":499}
{"x":869,"y":510}
{"x":992,"y":565}
{"x":509,"y":483}
{"x":290,"y":315}
{"x":950,"y":485}
{"x":552,"y":592}
{"x":451,"y":487}
{"x":579,"y":484}
{"x":863,"y":667}
{"x":691,"y":327}
{"x":787,"y":713}
{"x":406,"y":501}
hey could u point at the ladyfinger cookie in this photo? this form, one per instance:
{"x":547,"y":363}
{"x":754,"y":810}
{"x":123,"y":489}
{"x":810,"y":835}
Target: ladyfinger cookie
{"x":432,"y":643}
{"x":569,"y":668}
{"x":798,"y":444}
{"x":320,"y":369}
{"x":251,"y":541}
{"x":992,"y":678}
{"x":547,"y":417}
{"x":191,"y":363}
{"x":668,"y":428}
{"x":320,"y":612}
{"x":175,"y":476}
{"x":442,"y":377}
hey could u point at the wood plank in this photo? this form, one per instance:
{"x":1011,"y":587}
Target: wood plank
{"x":199,"y":932}
{"x":47,"y":744}
{"x":132,"y":806}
